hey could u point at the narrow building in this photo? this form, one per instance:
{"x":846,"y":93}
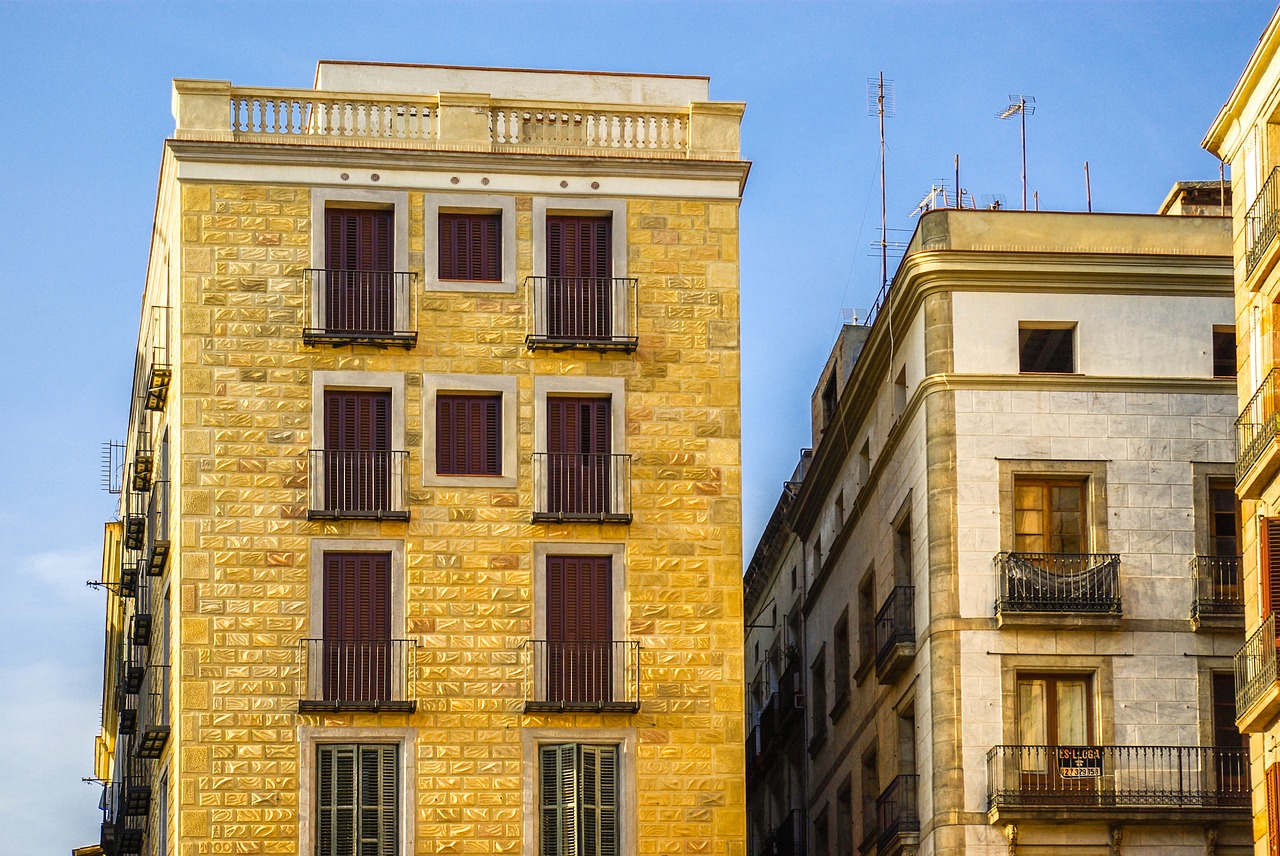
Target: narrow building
{"x":1246,"y":136}
{"x":995,"y":608}
{"x":430,"y":531}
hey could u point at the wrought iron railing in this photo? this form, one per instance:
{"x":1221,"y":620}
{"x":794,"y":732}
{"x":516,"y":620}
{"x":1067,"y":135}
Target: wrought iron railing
{"x":1218,"y":590}
{"x":153,"y":712}
{"x":1117,"y":777}
{"x":895,"y":622}
{"x":896,"y":811}
{"x":135,"y":519}
{"x":157,"y":538}
{"x":1256,"y":665}
{"x":358,"y":674}
{"x":575,"y":486}
{"x":1059,"y":582}
{"x":571,"y":675}
{"x":159,"y":370}
{"x":1262,"y":221}
{"x":125,"y":804}
{"x":1257,"y":425}
{"x":144,"y":460}
{"x":595,"y":312}
{"x":359,"y":483}
{"x":360,"y":305}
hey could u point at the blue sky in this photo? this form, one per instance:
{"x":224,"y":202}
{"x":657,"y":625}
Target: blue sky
{"x":1129,"y":87}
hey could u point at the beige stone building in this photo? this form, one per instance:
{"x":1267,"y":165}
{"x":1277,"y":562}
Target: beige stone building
{"x":1246,"y":135}
{"x":430,"y":536}
{"x":995,"y":609}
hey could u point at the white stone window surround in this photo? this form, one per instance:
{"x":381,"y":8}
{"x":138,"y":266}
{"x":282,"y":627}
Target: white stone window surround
{"x":615,"y":209}
{"x":504,"y":386}
{"x":311,"y":736}
{"x":615,"y":389}
{"x":357,"y":380}
{"x":618,"y":589}
{"x":320,"y":547}
{"x":532,"y":739}
{"x":341,"y":197}
{"x":469,"y":203}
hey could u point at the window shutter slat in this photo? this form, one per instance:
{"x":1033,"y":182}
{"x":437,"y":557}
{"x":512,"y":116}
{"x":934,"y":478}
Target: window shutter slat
{"x":1271,"y":566}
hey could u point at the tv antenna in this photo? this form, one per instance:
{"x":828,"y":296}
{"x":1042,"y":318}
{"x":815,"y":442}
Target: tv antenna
{"x":1021,"y":106}
{"x":880,"y":103}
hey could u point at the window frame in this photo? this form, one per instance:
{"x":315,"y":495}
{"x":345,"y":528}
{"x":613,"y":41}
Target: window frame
{"x":532,"y":741}
{"x":1047,"y":535}
{"x":360,"y":381}
{"x":434,"y":204}
{"x":397,"y":201}
{"x":1094,"y":475}
{"x":1223,"y":335}
{"x":615,"y":209}
{"x":321,"y":547}
{"x":312,"y":736}
{"x":1039,"y":326}
{"x":1102,"y":686}
{"x":475,"y":384}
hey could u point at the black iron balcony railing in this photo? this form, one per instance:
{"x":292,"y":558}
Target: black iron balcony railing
{"x":135,"y":519}
{"x":374,"y":307}
{"x":1256,"y":665}
{"x":157,"y":537}
{"x":134,"y":667}
{"x":1262,"y":221}
{"x":788,"y":836}
{"x":124,"y":805}
{"x":582,"y":312}
{"x":1117,"y":777}
{"x":130,"y":572}
{"x":589,"y":676}
{"x":896,"y":626}
{"x":896,"y":812}
{"x":128,"y":706}
{"x":358,"y":674}
{"x":1218,"y":591}
{"x":153,"y":713}
{"x":1059,"y":582}
{"x":576,"y":486}
{"x":359,"y":483}
{"x":1258,"y":425}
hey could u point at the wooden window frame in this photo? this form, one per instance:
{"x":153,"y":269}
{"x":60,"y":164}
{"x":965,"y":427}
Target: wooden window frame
{"x":388,"y":790}
{"x":499,"y":205}
{"x":1045,"y":486}
{"x":435,"y":385}
{"x":483,"y":262}
{"x":1223,"y":355}
{"x":1093,"y":473}
{"x":573,"y":763}
{"x":533,"y":739}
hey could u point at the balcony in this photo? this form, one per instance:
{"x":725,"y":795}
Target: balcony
{"x":1256,"y":430}
{"x":347,"y":307}
{"x":468,"y":122}
{"x":358,"y":484}
{"x":581,"y":487}
{"x":582,"y":312}
{"x":143,"y":465}
{"x":755,"y":761}
{"x":788,"y":837}
{"x":1082,"y":588}
{"x":895,"y":634}
{"x":153,"y":713}
{"x":1219,"y":600}
{"x":595,"y":677}
{"x":340,"y":675}
{"x":1261,"y":222}
{"x":129,"y":575}
{"x":134,"y":667}
{"x":157,"y":535}
{"x":1147,"y":783}
{"x":135,"y":521}
{"x":897,"y":818}
{"x":1257,"y":691}
{"x":123,"y":825}
{"x":159,"y":370}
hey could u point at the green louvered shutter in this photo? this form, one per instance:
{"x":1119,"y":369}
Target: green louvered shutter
{"x":599,"y":801}
{"x":357,"y":809}
{"x":559,"y":800}
{"x":378,"y":786}
{"x":336,"y":777}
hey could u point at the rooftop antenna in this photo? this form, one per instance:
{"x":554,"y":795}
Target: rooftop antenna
{"x":1021,"y":106}
{"x":880,"y":103}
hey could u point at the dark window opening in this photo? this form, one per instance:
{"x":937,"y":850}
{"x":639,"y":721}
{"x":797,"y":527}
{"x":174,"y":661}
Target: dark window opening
{"x":1224,"y":353}
{"x":1046,"y":350}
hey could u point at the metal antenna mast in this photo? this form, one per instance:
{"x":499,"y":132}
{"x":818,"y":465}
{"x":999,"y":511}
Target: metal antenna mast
{"x":1021,"y":106}
{"x":880,"y":103}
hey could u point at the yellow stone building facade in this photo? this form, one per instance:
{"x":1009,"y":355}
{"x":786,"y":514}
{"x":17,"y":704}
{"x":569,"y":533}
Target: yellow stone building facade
{"x":430,"y":533}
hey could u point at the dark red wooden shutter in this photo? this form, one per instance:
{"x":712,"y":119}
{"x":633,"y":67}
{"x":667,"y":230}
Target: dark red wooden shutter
{"x":357,"y":626}
{"x":1271,"y":785}
{"x":357,"y":442}
{"x":580,"y":628}
{"x":578,"y":462}
{"x":579,"y":267}
{"x":359,"y":253}
{"x":468,"y":435}
{"x":1269,"y":571}
{"x":471,"y":247}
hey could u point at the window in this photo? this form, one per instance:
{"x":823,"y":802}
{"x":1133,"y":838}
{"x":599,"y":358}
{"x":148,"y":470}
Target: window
{"x":902,"y":551}
{"x":1224,"y":518}
{"x":1049,"y":516}
{"x":1232,"y":747}
{"x":468,"y":434}
{"x":357,"y":290}
{"x":356,"y":799}
{"x":840,"y":665}
{"x":1271,"y":784}
{"x":577,"y":457}
{"x":844,"y":817}
{"x":818,"y":691}
{"x":870,"y":787}
{"x":579,"y":648}
{"x":356,"y":648}
{"x":822,"y":833}
{"x":470,"y":246}
{"x":867,"y":617}
{"x":1053,"y":710}
{"x":474,"y":246}
{"x":357,"y":454}
{"x":1224,"y":352}
{"x":829,"y":399}
{"x":578,"y":800}
{"x":900,"y":393}
{"x":1046,"y":348}
{"x":1269,"y":533}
